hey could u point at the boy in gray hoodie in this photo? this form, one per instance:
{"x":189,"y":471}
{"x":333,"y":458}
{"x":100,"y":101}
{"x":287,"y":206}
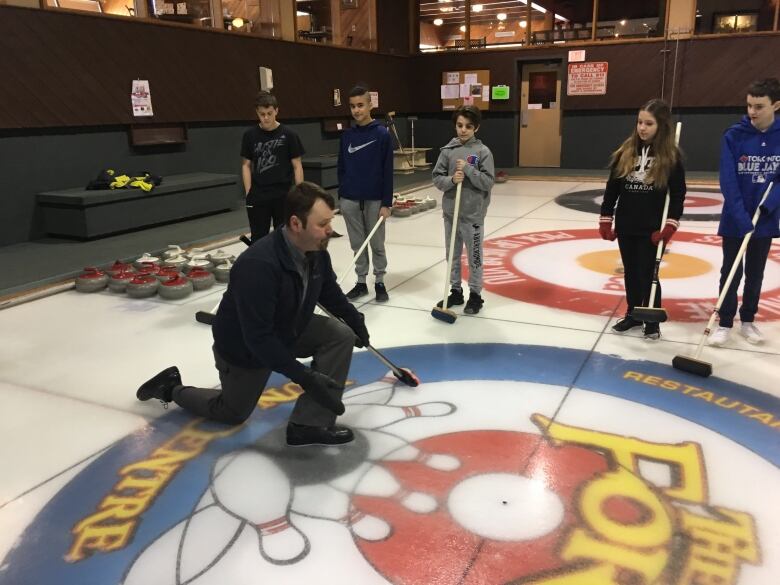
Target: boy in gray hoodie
{"x":465,"y":160}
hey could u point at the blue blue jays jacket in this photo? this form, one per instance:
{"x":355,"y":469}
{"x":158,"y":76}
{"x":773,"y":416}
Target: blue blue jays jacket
{"x":749,"y":160}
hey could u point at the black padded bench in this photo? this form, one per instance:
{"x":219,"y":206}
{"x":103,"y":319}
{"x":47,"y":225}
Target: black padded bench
{"x":322,"y":170}
{"x":86,"y":214}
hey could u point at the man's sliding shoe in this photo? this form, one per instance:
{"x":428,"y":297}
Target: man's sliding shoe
{"x":304,"y":435}
{"x":455,"y":298}
{"x":161,"y":386}
{"x":719,"y":337}
{"x":626,"y":323}
{"x":359,"y":290}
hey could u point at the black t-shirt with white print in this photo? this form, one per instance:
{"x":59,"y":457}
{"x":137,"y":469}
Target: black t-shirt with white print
{"x":270,"y":153}
{"x":640,"y":204}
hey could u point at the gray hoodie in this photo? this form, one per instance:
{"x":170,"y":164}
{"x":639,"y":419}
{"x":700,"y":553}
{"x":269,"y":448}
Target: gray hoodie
{"x":479,"y":172}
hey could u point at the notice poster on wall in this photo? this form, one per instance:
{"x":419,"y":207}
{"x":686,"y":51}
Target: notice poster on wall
{"x":374,"y":99}
{"x":587,"y":78}
{"x":141,"y":98}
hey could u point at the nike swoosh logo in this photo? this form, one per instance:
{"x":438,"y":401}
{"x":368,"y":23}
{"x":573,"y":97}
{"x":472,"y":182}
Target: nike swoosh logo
{"x":352,"y":149}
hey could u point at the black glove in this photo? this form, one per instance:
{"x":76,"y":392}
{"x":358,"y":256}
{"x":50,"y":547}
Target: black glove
{"x":359,"y":327}
{"x":320,"y":387}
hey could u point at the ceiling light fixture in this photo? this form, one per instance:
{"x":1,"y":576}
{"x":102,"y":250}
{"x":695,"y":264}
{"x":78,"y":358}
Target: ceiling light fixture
{"x":438,"y":22}
{"x":501,"y":16}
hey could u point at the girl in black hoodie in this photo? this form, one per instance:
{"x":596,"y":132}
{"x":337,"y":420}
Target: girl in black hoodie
{"x":642,"y":170}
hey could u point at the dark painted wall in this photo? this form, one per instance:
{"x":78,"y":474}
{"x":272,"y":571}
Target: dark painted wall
{"x":589,"y":138}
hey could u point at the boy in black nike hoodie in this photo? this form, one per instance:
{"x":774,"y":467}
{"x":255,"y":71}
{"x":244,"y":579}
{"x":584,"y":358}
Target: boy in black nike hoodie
{"x":365,"y":172}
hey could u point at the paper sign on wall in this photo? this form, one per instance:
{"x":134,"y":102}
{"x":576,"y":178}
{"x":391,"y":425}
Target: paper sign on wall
{"x":453,"y":77}
{"x":470,"y":78}
{"x":577,"y":56}
{"x":141,"y":98}
{"x":449,"y":92}
{"x":374,"y":99}
{"x":587,"y":78}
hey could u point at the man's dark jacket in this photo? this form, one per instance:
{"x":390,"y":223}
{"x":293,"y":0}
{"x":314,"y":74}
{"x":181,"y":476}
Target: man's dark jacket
{"x":262,"y":314}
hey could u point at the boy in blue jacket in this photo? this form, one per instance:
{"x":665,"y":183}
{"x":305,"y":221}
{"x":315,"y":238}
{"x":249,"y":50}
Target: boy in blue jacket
{"x":365,"y":172}
{"x":749,"y":160}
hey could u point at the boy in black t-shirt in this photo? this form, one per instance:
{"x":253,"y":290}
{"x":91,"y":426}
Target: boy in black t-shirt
{"x":271,"y":163}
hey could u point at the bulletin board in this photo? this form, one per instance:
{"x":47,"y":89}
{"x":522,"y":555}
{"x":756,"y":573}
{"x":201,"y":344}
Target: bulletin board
{"x":479,"y":98}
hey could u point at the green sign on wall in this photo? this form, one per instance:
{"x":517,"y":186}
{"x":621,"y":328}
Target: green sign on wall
{"x":500,"y":92}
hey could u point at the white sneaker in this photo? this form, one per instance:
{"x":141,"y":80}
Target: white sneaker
{"x":750,"y":332}
{"x":719,"y":336}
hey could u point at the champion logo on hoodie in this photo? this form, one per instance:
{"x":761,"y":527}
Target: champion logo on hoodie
{"x":472,"y":159}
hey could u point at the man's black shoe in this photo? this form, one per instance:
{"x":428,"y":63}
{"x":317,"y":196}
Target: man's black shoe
{"x":161,"y":386}
{"x":303,"y":435}
{"x":381,"y":292}
{"x":626,"y":323}
{"x":455,"y":298}
{"x":359,"y":290}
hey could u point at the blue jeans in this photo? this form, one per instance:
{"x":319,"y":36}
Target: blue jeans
{"x":754,"y":263}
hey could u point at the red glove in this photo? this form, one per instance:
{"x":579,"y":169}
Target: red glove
{"x":605,"y":228}
{"x":665,"y":234}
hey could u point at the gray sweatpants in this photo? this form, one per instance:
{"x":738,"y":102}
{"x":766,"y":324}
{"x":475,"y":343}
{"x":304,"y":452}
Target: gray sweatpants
{"x":361,"y":216}
{"x":472,"y":234}
{"x":328,"y":341}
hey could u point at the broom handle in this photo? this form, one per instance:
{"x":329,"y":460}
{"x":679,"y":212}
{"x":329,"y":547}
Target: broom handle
{"x":659,"y":249}
{"x":452,"y":245}
{"x":737,"y":262}
{"x":360,"y":250}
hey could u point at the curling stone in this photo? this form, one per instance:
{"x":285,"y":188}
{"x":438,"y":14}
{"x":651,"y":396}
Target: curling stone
{"x":177,"y":262}
{"x":146,"y":258}
{"x":118,"y":281}
{"x":91,"y":280}
{"x":176,"y":287}
{"x":173,"y":250}
{"x":118,"y":267}
{"x":220,"y":256}
{"x":222,"y":271}
{"x":166,"y":273}
{"x":201,"y":278}
{"x":148,"y":268}
{"x":429,"y":202}
{"x":142,"y":286}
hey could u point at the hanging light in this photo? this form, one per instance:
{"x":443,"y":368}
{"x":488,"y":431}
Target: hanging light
{"x":438,"y":21}
{"x":523,"y":24}
{"x":476,"y":8}
{"x":237,"y":22}
{"x":463,"y":28}
{"x":501,"y":16}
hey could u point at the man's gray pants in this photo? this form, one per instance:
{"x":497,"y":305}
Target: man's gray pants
{"x":361,"y":216}
{"x":470,"y":233}
{"x":328,"y":341}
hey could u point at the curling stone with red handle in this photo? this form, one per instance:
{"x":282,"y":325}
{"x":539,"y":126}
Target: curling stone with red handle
{"x":176,"y":287}
{"x":91,"y":280}
{"x":118,"y":267}
{"x":119,"y":281}
{"x":201,"y":278}
{"x":143,"y":286}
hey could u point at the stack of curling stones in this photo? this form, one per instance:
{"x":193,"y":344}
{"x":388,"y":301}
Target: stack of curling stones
{"x":174,"y":275}
{"x":404,"y":206}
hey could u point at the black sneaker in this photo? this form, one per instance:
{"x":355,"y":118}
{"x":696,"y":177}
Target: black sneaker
{"x":381,"y":292}
{"x":626,"y":323}
{"x":161,"y":386}
{"x":474,"y":304}
{"x":454,"y":299}
{"x":359,"y":290}
{"x":652,"y":331}
{"x":303,"y":435}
